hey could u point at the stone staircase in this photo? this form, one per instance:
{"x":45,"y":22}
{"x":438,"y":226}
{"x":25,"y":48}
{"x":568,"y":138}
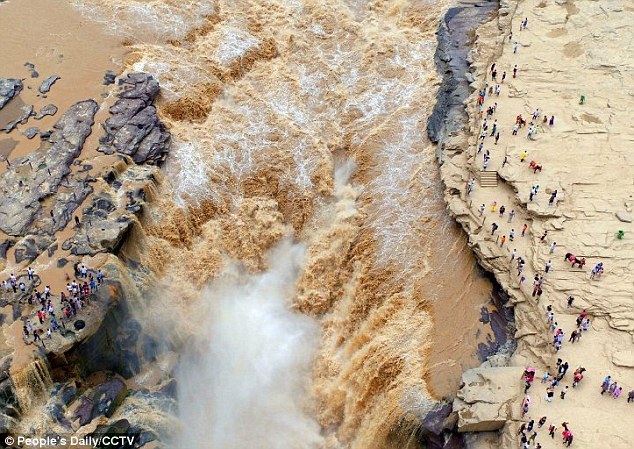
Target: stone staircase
{"x":489,"y":178}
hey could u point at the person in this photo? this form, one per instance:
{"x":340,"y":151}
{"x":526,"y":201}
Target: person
{"x":563,"y":392}
{"x":552,"y":120}
{"x":530,"y":425}
{"x":511,"y":215}
{"x":523,"y":156}
{"x":617,"y":392}
{"x":513,"y":254}
{"x":503,"y":241}
{"x":516,"y":128}
{"x":550,"y":392}
{"x":526,"y":404}
{"x":30,"y":273}
{"x":551,"y":430}
{"x":515,"y":47}
{"x":545,"y":377}
{"x":515,"y":71}
{"x":503,"y":77}
{"x":630,"y":396}
{"x":482,"y":209}
{"x":570,"y":300}
{"x":502,"y":210}
{"x":524,"y":228}
{"x":586,"y":324}
{"x":548,"y":265}
{"x":543,"y":237}
{"x":494,"y":228}
{"x":541,"y":422}
{"x":511,"y":234}
{"x":553,"y":245}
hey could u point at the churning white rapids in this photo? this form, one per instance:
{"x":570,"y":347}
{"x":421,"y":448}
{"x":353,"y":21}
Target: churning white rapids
{"x":245,"y":381}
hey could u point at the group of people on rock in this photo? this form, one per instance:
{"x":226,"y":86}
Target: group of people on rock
{"x":76,"y":296}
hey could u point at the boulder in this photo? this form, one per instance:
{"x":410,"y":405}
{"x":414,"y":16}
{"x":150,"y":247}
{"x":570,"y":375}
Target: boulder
{"x":484,"y":403}
{"x":107,"y":397}
{"x":49,"y":109}
{"x":31,"y":132}
{"x":47,"y":83}
{"x":9,"y":88}
{"x":134,"y":128}
{"x":624,"y":216}
{"x":47,"y":166}
{"x":30,"y":247}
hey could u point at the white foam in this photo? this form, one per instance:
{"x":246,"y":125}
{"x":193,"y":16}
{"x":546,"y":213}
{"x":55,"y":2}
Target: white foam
{"x":245,"y":383}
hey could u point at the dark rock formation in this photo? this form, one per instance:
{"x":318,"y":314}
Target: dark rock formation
{"x":9,"y":88}
{"x":109,"y":78}
{"x":32,"y":132}
{"x":452,"y":53}
{"x":30,"y":247}
{"x":20,"y":201}
{"x":134,"y":128}
{"x":49,"y":109}
{"x":47,"y":83}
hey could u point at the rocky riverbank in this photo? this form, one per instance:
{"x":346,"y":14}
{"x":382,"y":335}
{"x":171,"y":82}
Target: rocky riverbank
{"x":72,"y":203}
{"x":584,"y":199}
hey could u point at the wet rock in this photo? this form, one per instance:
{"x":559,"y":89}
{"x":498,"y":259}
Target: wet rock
{"x":624,"y":216}
{"x":107,"y":397}
{"x":32,"y":132}
{"x":134,"y":128}
{"x":4,"y":247}
{"x":48,"y":166}
{"x":64,"y":393}
{"x":84,"y":411}
{"x":30,"y":247}
{"x":51,"y":250}
{"x":47,"y":83}
{"x":27,"y":111}
{"x":49,"y":109}
{"x":44,"y":135}
{"x":9,"y":88}
{"x":109,"y":77}
{"x":56,"y":412}
{"x":170,"y":389}
{"x":35,"y":74}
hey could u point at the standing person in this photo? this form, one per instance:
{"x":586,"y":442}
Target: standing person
{"x":630,"y":396}
{"x":570,"y":300}
{"x":502,"y":210}
{"x":551,"y":430}
{"x":548,"y":265}
{"x":524,"y":229}
{"x":503,"y":241}
{"x":511,"y":215}
{"x":553,"y":245}
{"x":541,"y":422}
{"x":503,"y":77}
{"x":550,"y":392}
{"x":494,"y":228}
{"x":511,"y":234}
{"x":563,"y":392}
{"x":515,"y":47}
{"x":513,"y":254}
{"x":30,"y":273}
{"x":515,"y":71}
{"x":482,"y":209}
{"x":617,"y":393}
